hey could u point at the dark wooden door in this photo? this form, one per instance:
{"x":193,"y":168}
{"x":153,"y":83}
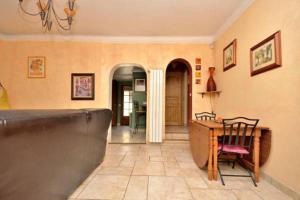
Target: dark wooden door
{"x":114,"y":103}
{"x":174,"y":99}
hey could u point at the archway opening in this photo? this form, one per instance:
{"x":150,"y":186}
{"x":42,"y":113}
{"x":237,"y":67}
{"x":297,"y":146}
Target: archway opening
{"x":178,"y":99}
{"x":129,"y":104}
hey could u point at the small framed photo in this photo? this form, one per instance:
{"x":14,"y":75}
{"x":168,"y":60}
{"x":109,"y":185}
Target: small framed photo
{"x":229,"y":56}
{"x":198,"y":81}
{"x":140,"y":85}
{"x":198,"y":67}
{"x":36,"y":67}
{"x":266,"y":55}
{"x":198,"y":61}
{"x":198,"y":74}
{"x":83,"y":86}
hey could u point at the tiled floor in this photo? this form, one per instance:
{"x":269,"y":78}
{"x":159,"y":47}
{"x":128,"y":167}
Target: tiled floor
{"x":164,"y":172}
{"x":125,"y":134}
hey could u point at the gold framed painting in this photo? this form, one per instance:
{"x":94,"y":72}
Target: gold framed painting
{"x":266,"y":55}
{"x":229,"y":56}
{"x":36,"y":67}
{"x":82,"y":86}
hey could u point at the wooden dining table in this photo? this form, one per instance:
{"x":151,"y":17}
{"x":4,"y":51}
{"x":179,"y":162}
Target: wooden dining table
{"x":204,"y":146}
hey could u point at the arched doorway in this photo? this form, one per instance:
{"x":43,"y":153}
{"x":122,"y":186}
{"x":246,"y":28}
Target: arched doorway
{"x":129,"y":104}
{"x":178,"y":99}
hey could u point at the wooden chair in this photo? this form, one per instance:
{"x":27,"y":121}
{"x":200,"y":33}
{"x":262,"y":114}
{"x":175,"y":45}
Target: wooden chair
{"x":234,"y":143}
{"x":205,"y":116}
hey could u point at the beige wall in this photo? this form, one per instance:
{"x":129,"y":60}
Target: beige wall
{"x":64,"y":58}
{"x":274,"y":96}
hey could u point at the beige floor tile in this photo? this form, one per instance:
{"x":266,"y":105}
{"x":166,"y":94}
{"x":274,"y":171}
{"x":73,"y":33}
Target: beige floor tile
{"x":125,"y":171}
{"x":268,"y":191}
{"x":162,"y":158}
{"x":125,"y":163}
{"x":112,"y":160}
{"x":105,"y":187}
{"x":158,"y":158}
{"x":173,"y":176}
{"x":213,"y":194}
{"x":148,"y":168}
{"x":137,"y":188}
{"x":188,"y":165}
{"x":195,"y":182}
{"x":246,"y":195}
{"x":77,"y":191}
{"x":172,"y":164}
{"x":239,"y":183}
{"x":184,"y":157}
{"x":168,"y":188}
{"x":177,"y":171}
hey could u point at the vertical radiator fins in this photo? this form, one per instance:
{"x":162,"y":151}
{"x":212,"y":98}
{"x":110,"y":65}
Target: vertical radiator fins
{"x":156,"y":97}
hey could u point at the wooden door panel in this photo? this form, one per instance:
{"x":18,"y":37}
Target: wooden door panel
{"x":174,"y":98}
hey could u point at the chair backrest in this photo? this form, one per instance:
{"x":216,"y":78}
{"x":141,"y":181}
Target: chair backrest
{"x":236,"y":129}
{"x":136,"y":105}
{"x":205,"y":116}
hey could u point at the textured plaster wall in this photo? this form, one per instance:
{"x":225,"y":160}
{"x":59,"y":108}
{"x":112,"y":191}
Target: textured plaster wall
{"x":273,"y":96}
{"x":64,"y":58}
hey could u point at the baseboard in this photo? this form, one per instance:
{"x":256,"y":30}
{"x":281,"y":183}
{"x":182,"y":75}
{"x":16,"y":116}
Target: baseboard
{"x":293,"y":194}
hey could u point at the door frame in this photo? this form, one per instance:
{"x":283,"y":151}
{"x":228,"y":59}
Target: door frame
{"x":190,"y":86}
{"x":112,"y":71}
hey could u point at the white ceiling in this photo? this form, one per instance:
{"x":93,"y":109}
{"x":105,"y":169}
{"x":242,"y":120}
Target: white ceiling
{"x":176,"y":18}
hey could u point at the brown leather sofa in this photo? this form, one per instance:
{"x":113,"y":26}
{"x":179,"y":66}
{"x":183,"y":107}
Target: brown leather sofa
{"x":47,"y":154}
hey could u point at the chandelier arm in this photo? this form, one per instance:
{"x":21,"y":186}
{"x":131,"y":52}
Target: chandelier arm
{"x":44,"y":22}
{"x":60,"y":25}
{"x":57,"y":16}
{"x":26,"y":12}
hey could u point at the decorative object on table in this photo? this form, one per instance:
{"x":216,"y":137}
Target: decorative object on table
{"x":198,"y":67}
{"x":198,"y":81}
{"x":46,"y":11}
{"x":211,"y":85}
{"x":4,"y":104}
{"x":198,"y":61}
{"x":36,"y":67}
{"x":83,"y":86}
{"x":266,"y":55}
{"x":198,"y":74}
{"x":229,"y":55}
{"x":140,"y":85}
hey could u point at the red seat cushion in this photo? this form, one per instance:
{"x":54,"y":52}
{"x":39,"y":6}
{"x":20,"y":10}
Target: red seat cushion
{"x":233,"y":149}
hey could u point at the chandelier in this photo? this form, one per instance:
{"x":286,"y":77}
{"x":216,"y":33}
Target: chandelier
{"x":47,"y":12}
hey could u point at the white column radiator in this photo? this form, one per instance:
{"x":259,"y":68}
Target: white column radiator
{"x":156,"y":98}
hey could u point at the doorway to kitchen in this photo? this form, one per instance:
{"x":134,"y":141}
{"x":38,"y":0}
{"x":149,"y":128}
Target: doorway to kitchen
{"x":129,"y":105}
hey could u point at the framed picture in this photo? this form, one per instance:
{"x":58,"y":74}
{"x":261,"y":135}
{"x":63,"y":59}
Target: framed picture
{"x":198,"y":67}
{"x":36,"y":67}
{"x":266,"y":55}
{"x":198,"y":74}
{"x":198,"y":61}
{"x":198,"y":81}
{"x":229,"y":55}
{"x":140,"y":85}
{"x":83,"y":86}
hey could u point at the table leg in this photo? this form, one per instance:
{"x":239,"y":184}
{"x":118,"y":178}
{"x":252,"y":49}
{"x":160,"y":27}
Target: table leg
{"x":215,"y":154}
{"x":256,"y":154}
{"x":210,"y":157}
